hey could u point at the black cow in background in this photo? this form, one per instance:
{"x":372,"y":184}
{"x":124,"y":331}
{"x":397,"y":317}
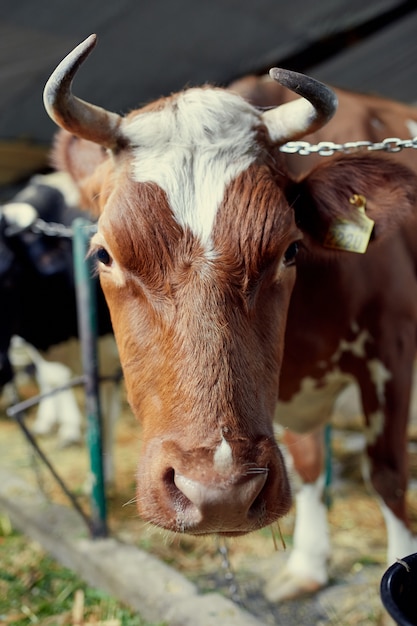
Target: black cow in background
{"x":38,"y":302}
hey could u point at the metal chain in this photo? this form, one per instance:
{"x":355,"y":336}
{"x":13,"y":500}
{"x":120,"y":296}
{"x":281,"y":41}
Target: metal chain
{"x":229,"y":575}
{"x":54,"y":229}
{"x":328,"y":148}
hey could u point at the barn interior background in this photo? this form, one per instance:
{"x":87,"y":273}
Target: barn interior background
{"x":147,"y":49}
{"x":150,"y":48}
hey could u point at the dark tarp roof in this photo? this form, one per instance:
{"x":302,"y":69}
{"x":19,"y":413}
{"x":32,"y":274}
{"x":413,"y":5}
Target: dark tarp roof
{"x":152,"y":47}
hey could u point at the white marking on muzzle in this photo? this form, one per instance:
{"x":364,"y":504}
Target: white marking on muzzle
{"x":223,"y":458}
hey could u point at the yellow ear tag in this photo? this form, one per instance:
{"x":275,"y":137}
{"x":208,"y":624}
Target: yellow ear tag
{"x":351,"y":236}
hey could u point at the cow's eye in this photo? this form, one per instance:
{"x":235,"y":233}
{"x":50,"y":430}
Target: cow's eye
{"x":103,"y":256}
{"x":290,"y":254}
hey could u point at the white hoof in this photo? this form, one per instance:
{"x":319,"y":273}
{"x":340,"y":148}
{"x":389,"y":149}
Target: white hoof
{"x":288,"y":586}
{"x":66,"y":440}
{"x":42,"y":428}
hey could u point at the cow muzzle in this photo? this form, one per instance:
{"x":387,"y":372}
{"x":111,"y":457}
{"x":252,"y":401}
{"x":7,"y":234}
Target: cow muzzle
{"x":228,"y":507}
{"x":224,"y":490}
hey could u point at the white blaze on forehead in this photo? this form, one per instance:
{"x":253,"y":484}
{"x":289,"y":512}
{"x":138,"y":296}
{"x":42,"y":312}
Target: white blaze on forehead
{"x":193,"y":148}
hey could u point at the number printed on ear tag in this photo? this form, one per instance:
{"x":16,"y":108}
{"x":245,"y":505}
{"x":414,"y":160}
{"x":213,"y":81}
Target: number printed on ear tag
{"x":352,"y":236}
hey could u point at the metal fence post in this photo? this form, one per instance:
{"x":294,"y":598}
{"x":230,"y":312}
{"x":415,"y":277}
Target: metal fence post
{"x":87,"y":324}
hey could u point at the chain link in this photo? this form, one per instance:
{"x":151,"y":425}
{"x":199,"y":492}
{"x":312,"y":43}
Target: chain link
{"x":328,"y":148}
{"x":229,"y":575}
{"x":54,"y":229}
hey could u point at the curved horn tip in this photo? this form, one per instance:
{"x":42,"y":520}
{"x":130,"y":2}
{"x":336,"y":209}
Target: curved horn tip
{"x":88,"y":43}
{"x":68,"y":66}
{"x":74,"y":58}
{"x":84,"y":47}
{"x":294,"y":80}
{"x":307,"y":87}
{"x":277,"y":72}
{"x":73,"y":114}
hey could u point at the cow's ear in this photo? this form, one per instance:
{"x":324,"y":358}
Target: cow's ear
{"x":79,"y":157}
{"x":342,"y":190}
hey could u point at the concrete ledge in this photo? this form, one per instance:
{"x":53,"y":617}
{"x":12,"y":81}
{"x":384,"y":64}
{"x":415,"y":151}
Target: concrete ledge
{"x":158,"y":592}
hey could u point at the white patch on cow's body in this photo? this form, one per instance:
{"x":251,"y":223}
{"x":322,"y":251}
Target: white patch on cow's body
{"x":311,"y":549}
{"x":313,"y":404}
{"x":19,"y":214}
{"x":356,"y":346}
{"x":223,"y":458}
{"x":401,"y":542}
{"x":61,"y":181}
{"x":379,"y":377}
{"x":412,"y":127}
{"x":375,"y":427}
{"x":193,"y":148}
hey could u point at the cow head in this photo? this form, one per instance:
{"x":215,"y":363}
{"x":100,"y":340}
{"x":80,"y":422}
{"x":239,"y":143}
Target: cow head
{"x":196,"y":249}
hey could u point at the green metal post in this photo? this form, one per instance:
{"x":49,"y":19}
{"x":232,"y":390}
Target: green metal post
{"x":328,"y":456}
{"x":87,"y":324}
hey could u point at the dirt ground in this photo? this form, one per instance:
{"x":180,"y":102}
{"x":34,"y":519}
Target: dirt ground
{"x":356,"y":525}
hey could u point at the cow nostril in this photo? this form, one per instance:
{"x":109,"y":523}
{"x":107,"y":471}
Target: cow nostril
{"x":175,"y":493}
{"x":168,"y":477}
{"x":259,"y":503}
{"x":240,"y":494}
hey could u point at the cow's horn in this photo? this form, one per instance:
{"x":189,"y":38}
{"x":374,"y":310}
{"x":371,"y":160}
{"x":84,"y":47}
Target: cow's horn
{"x":295,"y":119}
{"x":78,"y":117}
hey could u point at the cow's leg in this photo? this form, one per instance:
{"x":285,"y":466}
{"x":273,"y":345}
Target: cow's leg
{"x":61,"y":408}
{"x":386,"y":399}
{"x":69,"y":418}
{"x":306,"y":568}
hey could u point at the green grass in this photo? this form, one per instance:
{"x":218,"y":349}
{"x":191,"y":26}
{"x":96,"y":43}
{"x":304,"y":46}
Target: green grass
{"x":34,"y":589}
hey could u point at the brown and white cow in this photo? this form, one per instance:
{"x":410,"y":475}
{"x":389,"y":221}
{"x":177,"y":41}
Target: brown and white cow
{"x":197,"y":244}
